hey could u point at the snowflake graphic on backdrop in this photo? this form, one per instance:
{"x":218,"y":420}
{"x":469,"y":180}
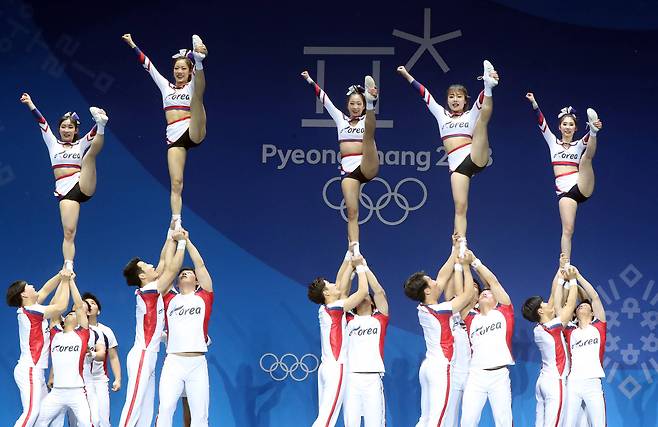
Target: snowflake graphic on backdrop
{"x":631,"y":342}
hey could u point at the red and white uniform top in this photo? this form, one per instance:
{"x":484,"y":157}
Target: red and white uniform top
{"x":95,"y":338}
{"x":365,"y":342}
{"x":346,"y":132}
{"x":491,"y":337}
{"x":60,"y":155}
{"x":561,"y":156}
{"x":549,"y":337}
{"x":435,"y":321}
{"x":68,"y":352}
{"x":461,"y":358}
{"x":173,"y":98}
{"x":149,"y":316}
{"x":332,"y":331}
{"x":453,"y":125}
{"x":34,"y":336}
{"x":108,"y":339}
{"x":187,"y":318}
{"x":587,"y":347}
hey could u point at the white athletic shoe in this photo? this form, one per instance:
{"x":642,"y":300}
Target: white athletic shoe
{"x":591,"y":118}
{"x":369,"y":83}
{"x":98,"y":115}
{"x":196,"y":42}
{"x":488,"y":80}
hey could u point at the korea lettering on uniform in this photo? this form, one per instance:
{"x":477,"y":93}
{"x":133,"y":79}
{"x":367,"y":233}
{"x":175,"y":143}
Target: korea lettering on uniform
{"x":587,"y":347}
{"x":34,"y":338}
{"x":185,"y":367}
{"x":364,"y":392}
{"x":331,"y":382}
{"x":490,"y":336}
{"x":68,"y":351}
{"x":142,"y":357}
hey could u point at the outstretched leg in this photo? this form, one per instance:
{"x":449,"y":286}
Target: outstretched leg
{"x":351,"y":190}
{"x":460,"y":185}
{"x":88,"y":167}
{"x":480,"y":145}
{"x":370,"y":159}
{"x":568,"y":208}
{"x":586,"y":170}
{"x":176,"y":160}
{"x":197,"y":110}
{"x":70,"y":212}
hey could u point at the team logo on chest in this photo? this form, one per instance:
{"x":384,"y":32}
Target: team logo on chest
{"x":565,"y":155}
{"x":67,"y":154}
{"x":351,"y":130}
{"x":455,"y":125}
{"x":65,"y":348}
{"x":181,"y":310}
{"x":584,"y":343}
{"x":179,"y":96}
{"x":359,"y":332}
{"x":483,"y":330}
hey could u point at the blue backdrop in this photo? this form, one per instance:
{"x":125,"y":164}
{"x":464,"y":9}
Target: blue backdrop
{"x":259,"y":197}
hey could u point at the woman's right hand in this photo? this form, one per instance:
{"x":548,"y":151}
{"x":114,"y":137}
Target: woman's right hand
{"x":129,"y":40}
{"x":404,"y":73}
{"x":530,"y":97}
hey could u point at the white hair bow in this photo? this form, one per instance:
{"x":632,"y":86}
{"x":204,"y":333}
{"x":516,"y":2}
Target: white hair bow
{"x":355,"y":89}
{"x":182,"y":53}
{"x":73,"y":115}
{"x":567,"y":110}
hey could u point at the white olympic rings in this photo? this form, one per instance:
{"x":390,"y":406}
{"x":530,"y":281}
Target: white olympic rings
{"x":287,"y":366}
{"x":382,"y":202}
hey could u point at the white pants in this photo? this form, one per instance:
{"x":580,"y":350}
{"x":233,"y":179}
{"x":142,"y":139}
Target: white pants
{"x":331,"y":385}
{"x":482,"y":385}
{"x":457,"y":384}
{"x":434,"y":377}
{"x":140,"y":391}
{"x":61,"y":399}
{"x":184,"y":373}
{"x":94,"y":406}
{"x":31,"y":384}
{"x":550,"y":393}
{"x":364,"y":397}
{"x":102,"y":393}
{"x":589,"y":392}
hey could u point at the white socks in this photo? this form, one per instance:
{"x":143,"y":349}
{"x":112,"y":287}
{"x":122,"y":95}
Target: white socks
{"x":178,"y":222}
{"x":100,"y":118}
{"x":198,"y":56}
{"x":591,"y":118}
{"x":68,"y":264}
{"x":489,"y":82}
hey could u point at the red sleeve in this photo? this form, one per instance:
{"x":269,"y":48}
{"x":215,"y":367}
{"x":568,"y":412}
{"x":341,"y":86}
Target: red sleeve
{"x":508,"y":312}
{"x":602,"y":328}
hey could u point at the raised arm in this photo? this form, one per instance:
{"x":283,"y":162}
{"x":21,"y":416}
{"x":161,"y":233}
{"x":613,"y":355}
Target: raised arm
{"x":46,"y":133}
{"x":334,"y":112}
{"x":445,"y":272}
{"x":343,"y":286}
{"x":379,"y":294}
{"x":566,"y":312}
{"x":167,"y":251}
{"x":463,"y":279}
{"x":436,"y":109}
{"x":48,"y":287}
{"x":361,"y":292}
{"x":597,"y":305}
{"x":79,"y":305}
{"x":173,"y":263}
{"x":60,"y":301}
{"x":160,"y":81}
{"x":549,"y":137}
{"x":200,"y":270}
{"x":492,"y":281}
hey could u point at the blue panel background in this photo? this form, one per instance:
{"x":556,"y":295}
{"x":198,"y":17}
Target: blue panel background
{"x":265,"y":229}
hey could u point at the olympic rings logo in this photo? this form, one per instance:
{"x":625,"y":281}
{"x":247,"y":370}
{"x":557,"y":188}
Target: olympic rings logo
{"x":390,"y":194}
{"x":288,"y":366}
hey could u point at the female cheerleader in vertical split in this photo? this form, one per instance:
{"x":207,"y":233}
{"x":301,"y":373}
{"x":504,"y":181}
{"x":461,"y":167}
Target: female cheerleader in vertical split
{"x":184,"y":111}
{"x":572,"y":164}
{"x":464,"y":135}
{"x":356,"y":136}
{"x":73,"y":161}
